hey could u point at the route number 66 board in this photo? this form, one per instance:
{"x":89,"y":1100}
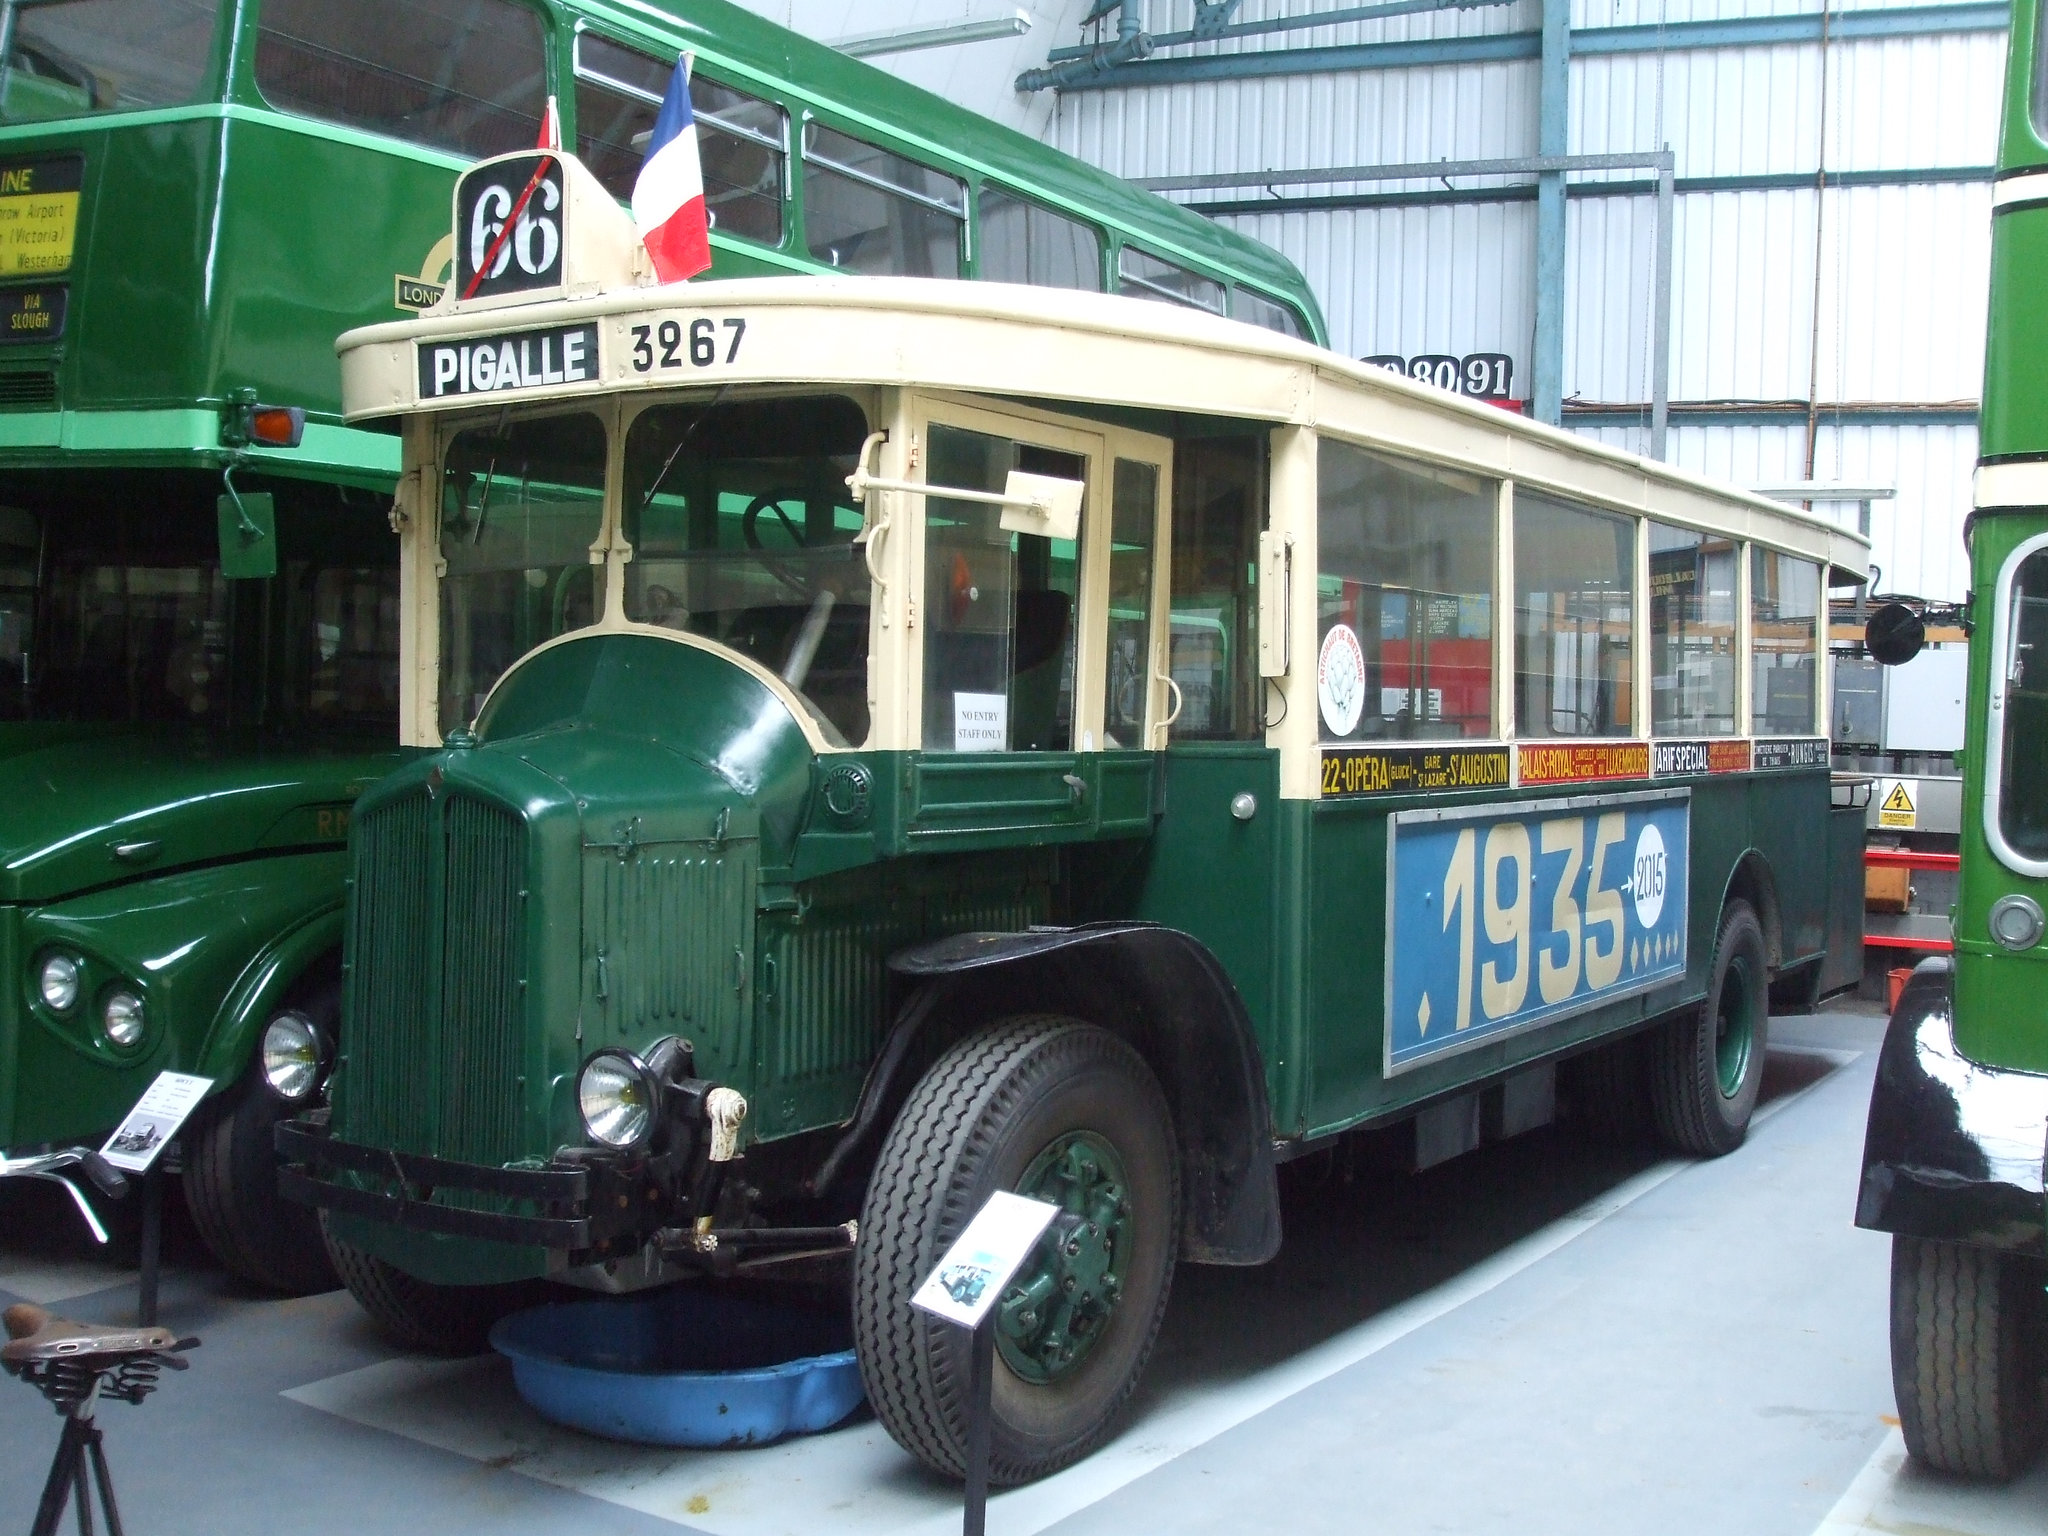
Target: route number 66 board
{"x":1503,"y":917}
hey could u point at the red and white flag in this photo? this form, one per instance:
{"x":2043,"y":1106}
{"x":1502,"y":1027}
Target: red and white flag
{"x":550,"y":126}
{"x":668,"y":197}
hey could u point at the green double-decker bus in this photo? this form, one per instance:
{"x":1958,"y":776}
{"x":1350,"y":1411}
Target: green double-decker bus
{"x":1011,"y":739}
{"x":196,"y":197}
{"x":1953,"y":1158}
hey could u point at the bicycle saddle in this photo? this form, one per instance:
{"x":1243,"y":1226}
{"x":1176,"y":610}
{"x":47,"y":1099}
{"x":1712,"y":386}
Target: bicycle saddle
{"x":34,"y":1336}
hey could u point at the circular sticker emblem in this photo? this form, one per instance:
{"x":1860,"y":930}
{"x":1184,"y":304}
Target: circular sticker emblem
{"x":1647,"y":882}
{"x":1340,"y":680}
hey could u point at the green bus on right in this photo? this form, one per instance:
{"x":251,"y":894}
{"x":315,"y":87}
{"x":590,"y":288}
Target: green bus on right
{"x":1953,"y":1158}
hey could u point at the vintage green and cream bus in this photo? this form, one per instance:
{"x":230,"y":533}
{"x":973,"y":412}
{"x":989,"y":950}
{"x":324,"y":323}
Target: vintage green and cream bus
{"x":1015,"y":739}
{"x":1953,"y":1157}
{"x":196,"y":197}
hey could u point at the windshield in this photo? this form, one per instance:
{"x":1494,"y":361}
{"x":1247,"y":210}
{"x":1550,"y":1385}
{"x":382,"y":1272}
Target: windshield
{"x":66,"y":58}
{"x":743,"y":532}
{"x":113,"y":608}
{"x":2023,"y":787}
{"x":522,"y":511}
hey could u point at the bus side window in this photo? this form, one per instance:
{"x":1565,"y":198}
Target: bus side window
{"x":1404,"y":598}
{"x":472,"y":79}
{"x":1000,"y":607}
{"x":1219,"y":498}
{"x":1021,"y":242}
{"x":1268,"y":314}
{"x":741,"y":139}
{"x":1574,"y":619}
{"x":871,"y":211}
{"x":20,"y":545}
{"x":1141,"y":275}
{"x":1692,"y":632}
{"x":1784,"y":598}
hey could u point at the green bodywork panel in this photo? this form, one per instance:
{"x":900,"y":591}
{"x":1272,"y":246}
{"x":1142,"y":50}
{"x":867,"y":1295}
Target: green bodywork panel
{"x":643,"y":844}
{"x":2015,"y":413}
{"x":2001,"y":1020}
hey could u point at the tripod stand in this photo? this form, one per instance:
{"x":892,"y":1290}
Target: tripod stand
{"x":75,"y":1365}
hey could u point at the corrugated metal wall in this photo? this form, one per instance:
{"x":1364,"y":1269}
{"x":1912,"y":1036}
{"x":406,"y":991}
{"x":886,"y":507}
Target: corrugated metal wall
{"x":1897,"y":279}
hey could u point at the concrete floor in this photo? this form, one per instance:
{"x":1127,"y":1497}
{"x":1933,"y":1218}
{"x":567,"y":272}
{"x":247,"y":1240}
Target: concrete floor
{"x":1541,"y":1337}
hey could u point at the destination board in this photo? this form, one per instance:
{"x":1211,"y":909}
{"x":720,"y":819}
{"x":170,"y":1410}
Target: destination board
{"x":1791,"y":752}
{"x":1584,"y":762}
{"x":481,"y":365}
{"x":1412,"y":770}
{"x":1681,"y":759}
{"x":32,"y":314}
{"x":1500,"y":917}
{"x":38,"y":214}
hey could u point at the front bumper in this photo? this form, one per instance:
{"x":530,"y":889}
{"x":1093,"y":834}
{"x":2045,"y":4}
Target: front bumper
{"x":1953,"y":1151}
{"x":573,"y":1205}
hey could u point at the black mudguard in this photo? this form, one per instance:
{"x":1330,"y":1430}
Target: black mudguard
{"x":1164,"y":992}
{"x":1954,"y":1150}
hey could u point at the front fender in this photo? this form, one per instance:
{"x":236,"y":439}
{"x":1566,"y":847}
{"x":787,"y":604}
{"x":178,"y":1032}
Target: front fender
{"x":1170,"y":997}
{"x":265,"y":983}
{"x":1953,"y":1150}
{"x":195,"y":944}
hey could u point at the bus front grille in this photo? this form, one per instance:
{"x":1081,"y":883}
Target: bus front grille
{"x":434,"y":1028}
{"x":479,"y":1052}
{"x":23,"y":391}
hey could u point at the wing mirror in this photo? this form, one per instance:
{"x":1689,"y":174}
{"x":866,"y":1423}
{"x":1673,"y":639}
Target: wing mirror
{"x":1894,"y":635}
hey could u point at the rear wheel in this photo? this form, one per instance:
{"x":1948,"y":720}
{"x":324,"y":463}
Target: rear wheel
{"x":1707,"y":1066}
{"x":1063,"y":1112}
{"x":1967,"y":1356}
{"x":422,"y":1318}
{"x":231,"y":1183}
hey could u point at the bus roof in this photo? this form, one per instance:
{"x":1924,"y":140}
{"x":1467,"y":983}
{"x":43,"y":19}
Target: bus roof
{"x":1061,"y":344}
{"x":850,"y":87}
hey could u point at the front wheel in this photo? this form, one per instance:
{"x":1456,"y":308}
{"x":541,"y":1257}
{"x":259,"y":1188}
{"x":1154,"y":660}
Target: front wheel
{"x":231,"y":1185}
{"x":1707,"y":1067}
{"x":1063,"y":1112}
{"x":1967,"y":1356}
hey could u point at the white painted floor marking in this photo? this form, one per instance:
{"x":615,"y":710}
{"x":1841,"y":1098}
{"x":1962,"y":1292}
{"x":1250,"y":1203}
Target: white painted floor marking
{"x":1891,"y":1495}
{"x":856,"y":1482}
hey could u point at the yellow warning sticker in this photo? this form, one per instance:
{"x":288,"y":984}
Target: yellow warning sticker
{"x":1897,"y":808}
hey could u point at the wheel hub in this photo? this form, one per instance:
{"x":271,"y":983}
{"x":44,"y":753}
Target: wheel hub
{"x":1057,"y":1308}
{"x":1734,"y":1029}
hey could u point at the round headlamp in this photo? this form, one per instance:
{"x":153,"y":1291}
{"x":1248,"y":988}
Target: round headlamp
{"x":291,"y":1057}
{"x":121,"y":1017}
{"x":615,"y":1093}
{"x":58,"y":983}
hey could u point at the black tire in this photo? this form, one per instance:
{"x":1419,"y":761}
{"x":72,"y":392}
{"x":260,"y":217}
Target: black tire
{"x":1706,"y":1066}
{"x":231,"y":1184}
{"x":427,"y":1319}
{"x":975,"y":1124}
{"x":1967,"y":1356}
{"x":1607,"y":1092}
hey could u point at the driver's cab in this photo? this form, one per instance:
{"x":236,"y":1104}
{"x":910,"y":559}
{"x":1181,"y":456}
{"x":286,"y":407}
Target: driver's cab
{"x":1020,"y":654}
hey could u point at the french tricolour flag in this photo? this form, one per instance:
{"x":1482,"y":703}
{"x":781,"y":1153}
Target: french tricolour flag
{"x":668,"y":198}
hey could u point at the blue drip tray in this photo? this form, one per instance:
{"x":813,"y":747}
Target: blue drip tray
{"x":683,"y":1367}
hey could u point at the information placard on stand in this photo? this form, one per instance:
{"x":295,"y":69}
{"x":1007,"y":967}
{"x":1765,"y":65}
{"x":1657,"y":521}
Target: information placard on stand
{"x":138,"y":1142}
{"x":963,"y":1289}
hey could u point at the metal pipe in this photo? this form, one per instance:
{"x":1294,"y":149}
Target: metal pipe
{"x":1132,"y":43}
{"x":1553,"y":104}
{"x":1660,"y":313}
{"x":1298,"y":23}
{"x":1412,"y":170}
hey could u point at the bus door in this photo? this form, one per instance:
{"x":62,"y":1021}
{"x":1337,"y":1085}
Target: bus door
{"x":1044,"y":691}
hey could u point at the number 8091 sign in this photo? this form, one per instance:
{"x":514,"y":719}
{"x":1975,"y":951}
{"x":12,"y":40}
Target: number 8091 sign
{"x":1499,"y":918}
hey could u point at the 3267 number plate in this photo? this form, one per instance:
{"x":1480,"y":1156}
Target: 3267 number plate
{"x":1499,"y":917}
{"x":699,"y":343}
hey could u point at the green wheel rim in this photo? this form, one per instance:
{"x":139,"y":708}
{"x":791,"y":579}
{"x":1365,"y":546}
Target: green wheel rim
{"x":1058,"y":1306}
{"x":1735,"y":1028}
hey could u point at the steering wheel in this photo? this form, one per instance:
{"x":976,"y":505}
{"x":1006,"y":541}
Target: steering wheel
{"x":750,"y":530}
